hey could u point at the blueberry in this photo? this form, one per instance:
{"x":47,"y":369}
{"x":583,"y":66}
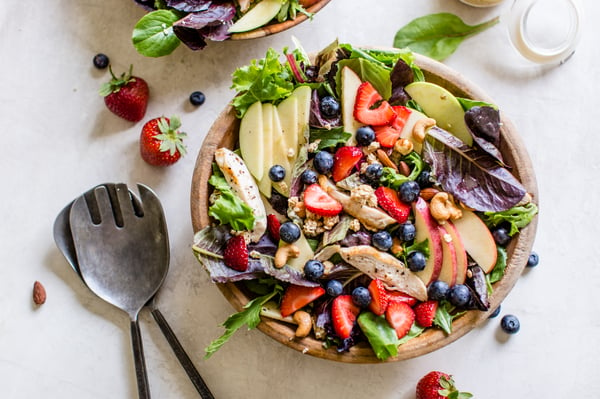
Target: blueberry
{"x":311,"y":72}
{"x":501,"y":236}
{"x":361,"y":297}
{"x":438,"y":290}
{"x":334,"y":288}
{"x":313,"y":269}
{"x":373,"y":172}
{"x":533,"y":260}
{"x":323,"y":162}
{"x":197,"y":98}
{"x":382,"y":240}
{"x":459,"y":295}
{"x":495,"y":313}
{"x":289,"y":232}
{"x":277,"y":173}
{"x":416,"y":261}
{"x":330,"y":107}
{"x":409,"y":191}
{"x":424,"y":179}
{"x":101,"y":61}
{"x":365,"y":135}
{"x":510,"y":324}
{"x":406,"y":232}
{"x":308,"y":177}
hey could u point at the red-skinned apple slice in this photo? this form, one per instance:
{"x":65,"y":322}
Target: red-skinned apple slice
{"x":448,"y":271}
{"x":461,"y":254}
{"x":427,"y":229}
{"x":477,"y":239}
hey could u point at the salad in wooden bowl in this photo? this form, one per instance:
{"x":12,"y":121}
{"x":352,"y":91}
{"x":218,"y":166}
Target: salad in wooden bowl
{"x":169,"y":23}
{"x":362,"y":205}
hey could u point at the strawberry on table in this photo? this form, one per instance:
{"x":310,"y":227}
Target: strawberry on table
{"x":343,"y":315}
{"x":161,"y":142}
{"x":387,"y":135}
{"x":379,"y":297}
{"x":319,"y":202}
{"x":388,"y":199}
{"x":370,"y":108}
{"x":236,"y":254}
{"x":400,"y":316}
{"x":296,"y":297}
{"x":344,"y":161}
{"x":126,"y":96}
{"x":438,"y":385}
{"x":425,"y":313}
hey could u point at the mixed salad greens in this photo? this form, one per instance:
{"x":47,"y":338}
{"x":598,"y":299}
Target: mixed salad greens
{"x":351,"y":202}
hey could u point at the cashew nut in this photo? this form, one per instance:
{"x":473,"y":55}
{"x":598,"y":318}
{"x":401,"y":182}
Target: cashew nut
{"x":420,"y":128}
{"x":304,"y":323}
{"x":404,"y":146}
{"x":285,"y":252}
{"x":442,"y":208}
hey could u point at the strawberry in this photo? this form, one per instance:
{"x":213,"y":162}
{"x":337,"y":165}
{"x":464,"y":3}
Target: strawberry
{"x":438,"y":385}
{"x":126,"y":96}
{"x":400,"y":316}
{"x":388,"y":199}
{"x":370,"y":108}
{"x":387,"y":135}
{"x":344,"y":160}
{"x":298,"y":296}
{"x":319,"y":202}
{"x":343,"y":315}
{"x":273,"y":225}
{"x":425,"y":313}
{"x":161,"y":143}
{"x":236,"y":254}
{"x":397,"y":296}
{"x":379,"y":297}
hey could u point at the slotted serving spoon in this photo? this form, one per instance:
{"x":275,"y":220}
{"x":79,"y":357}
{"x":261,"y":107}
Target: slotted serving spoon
{"x":64,"y":242}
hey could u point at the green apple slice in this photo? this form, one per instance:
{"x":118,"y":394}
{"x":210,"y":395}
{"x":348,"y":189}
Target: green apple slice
{"x":264,"y":184}
{"x":306,"y":254}
{"x":259,"y":15}
{"x":251,"y":137}
{"x":287,"y":111}
{"x":441,"y":105}
{"x":350,"y":82}
{"x":407,"y":130}
{"x":303,"y":94}
{"x":280,"y":156}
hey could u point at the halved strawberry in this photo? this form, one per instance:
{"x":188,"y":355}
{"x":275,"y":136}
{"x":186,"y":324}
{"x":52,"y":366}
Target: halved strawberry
{"x":397,"y":296}
{"x":236,"y":254}
{"x":379,"y":297}
{"x":319,"y":202}
{"x":273,"y":225}
{"x":387,"y":135}
{"x":400,"y":316}
{"x":298,"y":296}
{"x":388,"y":199}
{"x":343,"y":315}
{"x":344,"y":160}
{"x":425,"y":313}
{"x":370,"y":108}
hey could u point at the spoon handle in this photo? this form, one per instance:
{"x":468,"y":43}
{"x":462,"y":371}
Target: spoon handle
{"x":140,"y":363}
{"x":182,"y":356}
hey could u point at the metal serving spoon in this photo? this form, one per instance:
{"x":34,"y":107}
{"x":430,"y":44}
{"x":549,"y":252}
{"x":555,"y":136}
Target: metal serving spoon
{"x":64,"y":241}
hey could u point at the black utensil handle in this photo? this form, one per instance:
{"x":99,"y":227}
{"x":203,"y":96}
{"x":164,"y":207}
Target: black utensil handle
{"x":182,"y":356}
{"x":141,"y":374}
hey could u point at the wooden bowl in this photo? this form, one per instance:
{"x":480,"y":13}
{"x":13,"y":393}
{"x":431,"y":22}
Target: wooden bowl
{"x":224,"y":132}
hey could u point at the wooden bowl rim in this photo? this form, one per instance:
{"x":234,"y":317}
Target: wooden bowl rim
{"x":432,"y":339}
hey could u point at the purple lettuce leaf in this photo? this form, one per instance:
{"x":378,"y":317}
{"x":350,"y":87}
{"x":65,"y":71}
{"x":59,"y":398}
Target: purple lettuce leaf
{"x":213,"y":23}
{"x":189,"y":5}
{"x":401,"y":76}
{"x":316,"y":117}
{"x":474,"y":177}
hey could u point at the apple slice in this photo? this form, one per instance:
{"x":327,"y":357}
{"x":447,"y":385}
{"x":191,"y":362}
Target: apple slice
{"x":407,"y":130}
{"x":449,"y":267}
{"x":259,"y":15}
{"x":441,"y":105}
{"x":287,"y":111}
{"x":264,"y":184}
{"x":280,"y":156}
{"x":427,"y":229}
{"x":459,"y":249}
{"x":477,"y":239}
{"x":251,"y":136}
{"x":303,"y":95}
{"x":306,"y":254}
{"x":350,"y":82}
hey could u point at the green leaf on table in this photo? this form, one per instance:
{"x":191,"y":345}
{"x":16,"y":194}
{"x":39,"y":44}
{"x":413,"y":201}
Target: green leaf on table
{"x":437,"y":35}
{"x":153,"y":35}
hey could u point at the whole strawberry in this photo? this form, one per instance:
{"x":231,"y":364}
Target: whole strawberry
{"x":438,"y":385}
{"x":126,"y":96}
{"x":161,"y":142}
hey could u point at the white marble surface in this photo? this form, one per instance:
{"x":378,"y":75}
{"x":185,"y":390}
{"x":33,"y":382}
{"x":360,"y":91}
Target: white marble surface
{"x":59,"y":140}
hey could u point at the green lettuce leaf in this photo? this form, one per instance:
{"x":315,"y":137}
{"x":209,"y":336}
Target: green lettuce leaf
{"x":444,"y":316}
{"x":376,"y":73}
{"x":380,"y":335}
{"x":153,"y":35}
{"x":329,"y":137}
{"x":517,"y":217}
{"x":228,"y":208}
